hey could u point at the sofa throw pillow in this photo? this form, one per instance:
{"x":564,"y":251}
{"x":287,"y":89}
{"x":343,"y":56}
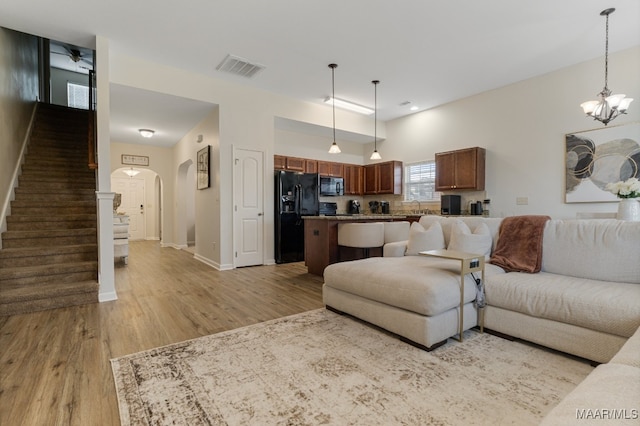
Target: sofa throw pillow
{"x":421,"y":239}
{"x":477,"y":242}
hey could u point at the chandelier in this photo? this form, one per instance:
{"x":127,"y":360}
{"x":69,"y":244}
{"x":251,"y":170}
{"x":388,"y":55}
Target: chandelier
{"x":608,"y":106}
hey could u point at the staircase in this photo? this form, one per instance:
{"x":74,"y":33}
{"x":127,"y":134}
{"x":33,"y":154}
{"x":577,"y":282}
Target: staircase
{"x":49,"y":252}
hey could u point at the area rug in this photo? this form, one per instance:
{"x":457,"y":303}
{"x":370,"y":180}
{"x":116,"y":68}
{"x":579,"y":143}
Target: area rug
{"x":319,"y":368}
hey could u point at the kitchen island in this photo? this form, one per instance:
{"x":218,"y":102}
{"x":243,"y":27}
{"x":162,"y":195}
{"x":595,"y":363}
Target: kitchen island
{"x":321,"y":239}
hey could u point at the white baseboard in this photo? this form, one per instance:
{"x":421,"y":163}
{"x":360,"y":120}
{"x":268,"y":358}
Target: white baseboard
{"x":107,"y":296}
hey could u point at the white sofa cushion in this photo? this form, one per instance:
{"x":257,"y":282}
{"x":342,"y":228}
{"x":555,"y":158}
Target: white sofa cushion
{"x":462,"y":239}
{"x":630,"y":353}
{"x":608,"y":307}
{"x":420,"y":284}
{"x":421,"y":239}
{"x":607,"y":250}
{"x":609,"y":387}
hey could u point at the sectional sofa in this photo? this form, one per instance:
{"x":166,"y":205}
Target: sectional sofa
{"x":584,"y":299}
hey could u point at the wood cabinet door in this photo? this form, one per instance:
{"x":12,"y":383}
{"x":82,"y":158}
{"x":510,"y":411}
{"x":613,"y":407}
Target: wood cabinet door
{"x":336,"y":169}
{"x":390,"y":177}
{"x":295,"y":164}
{"x":461,"y":169}
{"x":353,"y":175}
{"x":371,"y":179}
{"x":445,"y":171}
{"x":279,"y":162}
{"x":311,"y":166}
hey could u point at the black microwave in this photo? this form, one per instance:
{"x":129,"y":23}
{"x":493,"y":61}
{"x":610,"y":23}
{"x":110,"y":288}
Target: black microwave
{"x":331,"y":186}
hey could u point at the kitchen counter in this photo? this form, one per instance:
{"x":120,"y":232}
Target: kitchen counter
{"x":356,"y":217}
{"x":321,"y":239}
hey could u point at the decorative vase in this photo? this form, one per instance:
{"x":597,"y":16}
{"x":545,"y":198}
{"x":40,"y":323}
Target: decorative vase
{"x":629,"y":209}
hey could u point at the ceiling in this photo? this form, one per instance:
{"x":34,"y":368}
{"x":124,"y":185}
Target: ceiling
{"x":425,"y":52}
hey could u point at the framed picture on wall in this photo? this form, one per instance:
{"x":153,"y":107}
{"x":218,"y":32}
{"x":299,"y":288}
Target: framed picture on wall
{"x":204,"y":174}
{"x":594,"y":158}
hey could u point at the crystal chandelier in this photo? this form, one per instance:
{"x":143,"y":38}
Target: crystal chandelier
{"x":608,"y":106}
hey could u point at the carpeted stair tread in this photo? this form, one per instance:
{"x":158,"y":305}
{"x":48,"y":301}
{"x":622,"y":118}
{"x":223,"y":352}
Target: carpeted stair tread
{"x":58,"y":218}
{"x":31,"y":256}
{"x":7,"y":274}
{"x":47,"y":296}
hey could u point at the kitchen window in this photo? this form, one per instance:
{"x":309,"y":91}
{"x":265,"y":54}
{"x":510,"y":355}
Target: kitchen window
{"x":420,"y":181}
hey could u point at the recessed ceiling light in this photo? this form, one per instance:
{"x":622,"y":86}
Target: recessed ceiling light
{"x":414,"y":108}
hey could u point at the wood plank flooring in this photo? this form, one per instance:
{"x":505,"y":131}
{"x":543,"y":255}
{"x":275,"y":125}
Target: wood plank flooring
{"x":54,"y":365}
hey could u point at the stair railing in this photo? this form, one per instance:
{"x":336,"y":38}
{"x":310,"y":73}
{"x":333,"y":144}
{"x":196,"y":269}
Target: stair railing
{"x":92,"y":138}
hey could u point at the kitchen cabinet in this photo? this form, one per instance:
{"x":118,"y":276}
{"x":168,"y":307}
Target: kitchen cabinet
{"x":383,"y":178}
{"x":292,"y":164}
{"x":353,"y":179}
{"x":279,"y":162}
{"x":311,"y":166}
{"x":327,"y":168}
{"x":462,"y":169}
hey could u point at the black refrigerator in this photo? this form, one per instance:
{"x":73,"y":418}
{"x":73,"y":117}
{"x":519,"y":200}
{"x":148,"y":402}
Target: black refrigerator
{"x":296,"y":196}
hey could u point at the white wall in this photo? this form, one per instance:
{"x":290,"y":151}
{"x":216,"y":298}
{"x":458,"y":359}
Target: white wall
{"x":522,"y":126}
{"x":18,"y":93}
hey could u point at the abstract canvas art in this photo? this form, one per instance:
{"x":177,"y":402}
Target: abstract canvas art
{"x":595,"y":158}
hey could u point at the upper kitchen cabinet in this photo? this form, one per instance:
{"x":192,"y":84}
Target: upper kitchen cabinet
{"x":293,"y":164}
{"x":460,"y":170}
{"x":383,"y":178}
{"x":311,"y":166}
{"x":353,"y":179}
{"x":327,"y":168}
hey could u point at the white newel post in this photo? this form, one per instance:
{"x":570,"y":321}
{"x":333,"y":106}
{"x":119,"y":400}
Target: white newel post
{"x":106,"y":268}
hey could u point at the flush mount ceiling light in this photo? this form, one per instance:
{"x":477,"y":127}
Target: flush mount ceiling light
{"x":608,"y":106}
{"x":131,"y":172}
{"x":335,"y":149}
{"x":341,"y":103}
{"x":146,"y":133}
{"x":375,"y":155}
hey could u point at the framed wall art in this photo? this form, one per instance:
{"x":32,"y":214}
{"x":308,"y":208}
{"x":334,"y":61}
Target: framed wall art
{"x":134,"y":160}
{"x":203,"y":171}
{"x":594,"y":158}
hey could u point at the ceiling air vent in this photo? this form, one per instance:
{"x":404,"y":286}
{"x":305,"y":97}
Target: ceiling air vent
{"x":239,"y":66}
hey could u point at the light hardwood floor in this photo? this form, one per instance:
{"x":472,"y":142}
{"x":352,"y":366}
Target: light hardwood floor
{"x":54,"y":365}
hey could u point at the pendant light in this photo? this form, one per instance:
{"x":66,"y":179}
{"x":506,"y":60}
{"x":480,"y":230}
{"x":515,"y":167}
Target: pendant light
{"x":608,"y":106}
{"x":375,"y":155}
{"x":335,"y":149}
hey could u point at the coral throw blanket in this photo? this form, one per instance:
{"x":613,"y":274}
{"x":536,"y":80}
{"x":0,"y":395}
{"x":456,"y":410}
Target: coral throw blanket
{"x":519,"y":247}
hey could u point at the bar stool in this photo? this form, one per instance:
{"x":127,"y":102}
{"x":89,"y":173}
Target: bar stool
{"x":365,"y":235}
{"x":396,"y":231}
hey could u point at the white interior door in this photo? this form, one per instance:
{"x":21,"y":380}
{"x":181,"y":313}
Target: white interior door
{"x":132,"y":190}
{"x":249,"y":207}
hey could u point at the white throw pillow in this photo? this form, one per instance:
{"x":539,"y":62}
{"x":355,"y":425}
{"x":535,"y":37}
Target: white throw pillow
{"x":463,"y":240}
{"x":422,"y":240}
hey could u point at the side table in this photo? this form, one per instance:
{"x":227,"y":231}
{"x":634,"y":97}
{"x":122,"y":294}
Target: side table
{"x":469,"y":262}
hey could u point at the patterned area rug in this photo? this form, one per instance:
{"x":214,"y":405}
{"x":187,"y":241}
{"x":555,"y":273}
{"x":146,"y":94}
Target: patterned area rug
{"x":322,"y":368}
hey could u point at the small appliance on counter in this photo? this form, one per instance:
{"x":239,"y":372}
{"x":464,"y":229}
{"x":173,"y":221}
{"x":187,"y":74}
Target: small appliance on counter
{"x":353,"y":207}
{"x":328,"y":209}
{"x":384,"y":207}
{"x":450,"y":204}
{"x":373,"y":206}
{"x":475,"y":208}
